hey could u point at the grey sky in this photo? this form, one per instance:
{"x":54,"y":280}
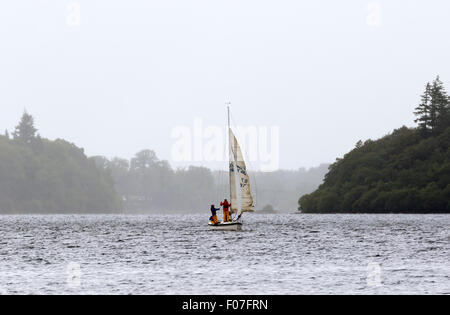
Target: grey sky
{"x":323,"y":71}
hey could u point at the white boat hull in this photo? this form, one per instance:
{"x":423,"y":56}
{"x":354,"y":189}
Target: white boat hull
{"x":226,"y":226}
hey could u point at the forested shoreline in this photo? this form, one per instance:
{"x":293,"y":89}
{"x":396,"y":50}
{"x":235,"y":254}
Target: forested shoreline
{"x":38,"y":175}
{"x":407,"y":171}
{"x":42,"y":176}
{"x":148,"y":184}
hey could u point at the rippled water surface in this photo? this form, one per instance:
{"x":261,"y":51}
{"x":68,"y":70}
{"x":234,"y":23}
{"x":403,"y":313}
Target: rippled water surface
{"x":177,"y":254}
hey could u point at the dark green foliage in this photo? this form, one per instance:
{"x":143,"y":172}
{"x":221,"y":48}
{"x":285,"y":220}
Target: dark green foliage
{"x":402,"y":172}
{"x":42,"y":176}
{"x":433,"y":113}
{"x":424,"y":111}
{"x":407,"y":171}
{"x":441,"y":102}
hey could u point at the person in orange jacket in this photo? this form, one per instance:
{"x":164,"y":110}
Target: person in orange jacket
{"x":226,"y":210}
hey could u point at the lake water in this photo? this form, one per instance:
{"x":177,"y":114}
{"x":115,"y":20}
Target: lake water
{"x":274,"y":254}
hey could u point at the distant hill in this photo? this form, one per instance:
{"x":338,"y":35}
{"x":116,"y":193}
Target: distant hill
{"x":402,"y":172}
{"x":42,"y":176}
{"x":278,"y":188}
{"x":148,"y":185}
{"x":407,"y":171}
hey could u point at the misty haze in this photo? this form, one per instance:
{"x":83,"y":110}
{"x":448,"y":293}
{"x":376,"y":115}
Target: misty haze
{"x":284,"y":147}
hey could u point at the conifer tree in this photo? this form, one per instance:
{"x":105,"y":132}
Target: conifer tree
{"x":25,"y":130}
{"x":424,"y":111}
{"x":433,"y":113}
{"x":439,"y":101}
{"x":359,"y":144}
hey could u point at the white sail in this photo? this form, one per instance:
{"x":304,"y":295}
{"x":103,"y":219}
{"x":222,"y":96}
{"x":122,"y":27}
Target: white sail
{"x":241,"y":197}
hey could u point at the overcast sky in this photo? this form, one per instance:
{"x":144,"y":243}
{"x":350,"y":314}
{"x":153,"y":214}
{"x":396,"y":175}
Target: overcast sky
{"x":121,"y":77}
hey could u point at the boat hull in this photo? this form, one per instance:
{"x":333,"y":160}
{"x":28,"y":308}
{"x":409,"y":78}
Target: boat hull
{"x":226,"y":226}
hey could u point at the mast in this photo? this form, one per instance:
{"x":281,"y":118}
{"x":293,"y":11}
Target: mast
{"x":229,"y":146}
{"x":228,"y":109}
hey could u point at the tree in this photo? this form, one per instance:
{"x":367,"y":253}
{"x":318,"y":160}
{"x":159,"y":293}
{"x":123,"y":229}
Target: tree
{"x":143,"y":160}
{"x":423,"y":111}
{"x":433,"y":111}
{"x":439,"y":104}
{"x":25,"y":130}
{"x":142,"y":166}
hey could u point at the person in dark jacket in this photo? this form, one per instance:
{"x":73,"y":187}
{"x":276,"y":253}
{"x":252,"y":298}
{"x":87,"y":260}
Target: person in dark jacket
{"x":213,"y":217}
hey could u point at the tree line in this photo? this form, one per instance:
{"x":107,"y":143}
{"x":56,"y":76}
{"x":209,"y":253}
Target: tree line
{"x":405,"y":171}
{"x":42,"y":176}
{"x":148,"y":184}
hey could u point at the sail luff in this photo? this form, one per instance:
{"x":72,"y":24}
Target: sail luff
{"x":232,"y":167}
{"x":236,"y":179}
{"x":241,"y":198}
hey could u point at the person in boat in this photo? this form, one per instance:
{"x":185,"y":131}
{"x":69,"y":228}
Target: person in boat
{"x":213,"y":217}
{"x":226,"y":210}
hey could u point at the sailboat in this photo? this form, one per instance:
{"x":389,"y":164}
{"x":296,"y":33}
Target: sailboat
{"x":240,"y":194}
